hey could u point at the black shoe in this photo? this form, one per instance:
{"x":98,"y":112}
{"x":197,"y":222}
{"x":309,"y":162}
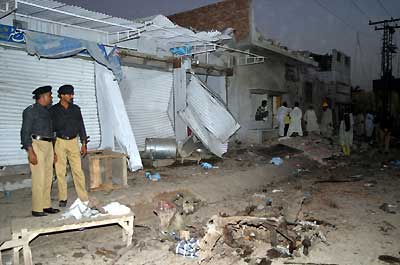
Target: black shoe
{"x":38,"y":214}
{"x":62,"y":203}
{"x":51,"y":210}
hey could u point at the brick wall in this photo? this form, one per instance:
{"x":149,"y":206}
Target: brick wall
{"x":226,"y":14}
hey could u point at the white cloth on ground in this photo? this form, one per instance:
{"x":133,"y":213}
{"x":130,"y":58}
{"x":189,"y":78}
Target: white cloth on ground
{"x":115,"y":208}
{"x":295,"y":122}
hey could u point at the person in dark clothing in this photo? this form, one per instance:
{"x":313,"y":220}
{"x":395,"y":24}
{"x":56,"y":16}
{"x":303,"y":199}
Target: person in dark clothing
{"x":68,"y":125}
{"x":36,"y":139}
{"x":262,"y":112}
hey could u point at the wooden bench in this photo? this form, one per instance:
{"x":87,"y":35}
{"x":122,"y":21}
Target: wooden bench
{"x":25,"y":230}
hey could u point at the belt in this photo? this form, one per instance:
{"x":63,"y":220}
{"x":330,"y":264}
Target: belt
{"x":66,"y":137}
{"x":42,"y":138}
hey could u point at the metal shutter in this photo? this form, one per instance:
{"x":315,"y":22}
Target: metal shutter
{"x":20,"y":74}
{"x":147,"y":95}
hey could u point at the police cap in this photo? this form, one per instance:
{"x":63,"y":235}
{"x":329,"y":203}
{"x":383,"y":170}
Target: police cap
{"x":41,"y":90}
{"x":66,"y":89}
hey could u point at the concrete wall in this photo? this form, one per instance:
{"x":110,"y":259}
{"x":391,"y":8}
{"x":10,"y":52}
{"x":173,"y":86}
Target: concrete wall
{"x":234,"y":14}
{"x":253,"y":83}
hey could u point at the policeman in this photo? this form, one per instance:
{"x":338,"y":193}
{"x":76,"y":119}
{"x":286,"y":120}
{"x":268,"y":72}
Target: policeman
{"x":36,"y":139}
{"x":68,"y":125}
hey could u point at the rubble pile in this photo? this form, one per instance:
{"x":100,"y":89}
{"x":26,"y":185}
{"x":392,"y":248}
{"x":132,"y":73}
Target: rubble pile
{"x":258,"y":238}
{"x":255,"y":234}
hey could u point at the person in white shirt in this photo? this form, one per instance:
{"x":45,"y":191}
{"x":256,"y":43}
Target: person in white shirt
{"x":280,"y":116}
{"x":311,"y":121}
{"x":369,"y":125}
{"x":295,"y":120}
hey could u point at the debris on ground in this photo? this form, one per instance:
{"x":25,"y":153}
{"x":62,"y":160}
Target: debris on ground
{"x":277,"y":161}
{"x":206,"y":165}
{"x":165,"y":211}
{"x":188,"y":248}
{"x":244,"y":233}
{"x":387,"y":208}
{"x":152,"y":176}
{"x":389,"y":259}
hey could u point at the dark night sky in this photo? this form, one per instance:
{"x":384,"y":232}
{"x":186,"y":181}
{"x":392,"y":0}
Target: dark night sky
{"x":315,"y":25}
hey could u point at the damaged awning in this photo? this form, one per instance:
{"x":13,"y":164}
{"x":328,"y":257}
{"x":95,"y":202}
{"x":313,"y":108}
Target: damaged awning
{"x":71,"y":16}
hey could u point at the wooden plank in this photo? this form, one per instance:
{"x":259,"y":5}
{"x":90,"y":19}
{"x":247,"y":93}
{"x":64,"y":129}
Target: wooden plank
{"x":26,"y":249}
{"x":95,"y":172}
{"x":109,"y":171}
{"x":15,"y":249}
{"x":124,"y":172}
{"x":12,"y":244}
{"x":106,"y":154}
{"x":23,"y":238}
{"x":47,"y":224}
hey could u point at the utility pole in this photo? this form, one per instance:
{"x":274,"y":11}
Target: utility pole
{"x":388,"y":27}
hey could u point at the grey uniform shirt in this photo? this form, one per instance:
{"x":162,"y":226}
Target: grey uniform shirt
{"x":36,"y":120}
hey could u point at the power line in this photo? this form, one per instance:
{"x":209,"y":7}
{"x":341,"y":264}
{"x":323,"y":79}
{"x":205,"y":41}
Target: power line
{"x":342,"y":20}
{"x":383,"y":7}
{"x":359,"y":9}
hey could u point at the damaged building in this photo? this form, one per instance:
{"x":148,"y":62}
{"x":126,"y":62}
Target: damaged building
{"x":140,"y":72}
{"x":272,"y":72}
{"x":335,"y":74}
{"x":181,"y":169}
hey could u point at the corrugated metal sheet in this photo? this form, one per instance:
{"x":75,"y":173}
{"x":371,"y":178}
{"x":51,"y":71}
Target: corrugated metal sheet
{"x":147,"y":94}
{"x":208,"y":117}
{"x":211,"y":111}
{"x":191,"y":116}
{"x":20,"y":74}
{"x":39,"y":12}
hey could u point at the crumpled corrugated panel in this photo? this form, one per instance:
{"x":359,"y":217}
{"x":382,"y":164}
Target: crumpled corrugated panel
{"x":208,"y":117}
{"x":212,"y":112}
{"x":191,"y":117}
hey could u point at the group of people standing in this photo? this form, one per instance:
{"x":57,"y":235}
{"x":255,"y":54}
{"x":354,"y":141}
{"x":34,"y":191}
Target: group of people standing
{"x":290,"y":123}
{"x":290,"y":120}
{"x":49,"y":134}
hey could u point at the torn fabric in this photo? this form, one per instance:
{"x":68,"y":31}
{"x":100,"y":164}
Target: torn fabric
{"x":114,"y":119}
{"x":56,"y":47}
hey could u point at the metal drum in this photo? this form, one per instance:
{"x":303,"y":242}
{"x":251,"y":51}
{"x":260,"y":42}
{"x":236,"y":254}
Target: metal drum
{"x":160,"y":148}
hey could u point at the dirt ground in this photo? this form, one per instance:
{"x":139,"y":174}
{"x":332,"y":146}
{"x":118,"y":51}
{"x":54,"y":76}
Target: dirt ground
{"x":344,"y":197}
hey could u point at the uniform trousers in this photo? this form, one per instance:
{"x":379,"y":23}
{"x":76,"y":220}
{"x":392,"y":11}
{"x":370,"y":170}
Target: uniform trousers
{"x":42,"y":175}
{"x":69,"y":151}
